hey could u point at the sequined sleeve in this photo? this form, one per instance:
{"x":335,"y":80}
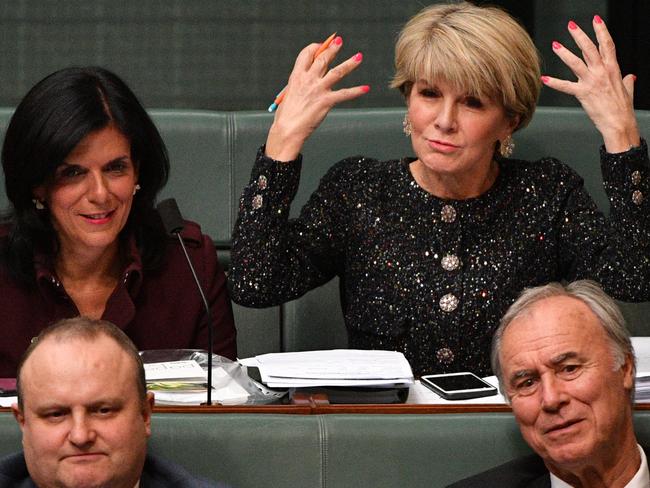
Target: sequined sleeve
{"x":615,"y":252}
{"x":274,"y":258}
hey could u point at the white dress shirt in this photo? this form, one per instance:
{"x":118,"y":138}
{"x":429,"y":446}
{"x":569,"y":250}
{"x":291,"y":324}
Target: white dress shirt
{"x":641,"y":478}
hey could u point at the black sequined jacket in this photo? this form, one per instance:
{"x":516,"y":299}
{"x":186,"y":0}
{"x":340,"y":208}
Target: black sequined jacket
{"x":432,"y":277}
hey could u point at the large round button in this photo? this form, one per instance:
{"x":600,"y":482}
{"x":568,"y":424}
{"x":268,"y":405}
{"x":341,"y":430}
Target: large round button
{"x":448,"y":303}
{"x":448,"y":214}
{"x":637,"y":197}
{"x":262,"y":182}
{"x":450,"y":262}
{"x":257,"y":202}
{"x":636,"y":177}
{"x":444,"y":355}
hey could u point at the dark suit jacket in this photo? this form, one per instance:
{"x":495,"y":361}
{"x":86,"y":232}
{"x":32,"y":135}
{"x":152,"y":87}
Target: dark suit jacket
{"x":525,"y":472}
{"x":156,"y":473}
{"x":528,"y":471}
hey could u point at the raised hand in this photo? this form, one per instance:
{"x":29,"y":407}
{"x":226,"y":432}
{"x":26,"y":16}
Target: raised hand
{"x":308,"y":98}
{"x":604,"y":94}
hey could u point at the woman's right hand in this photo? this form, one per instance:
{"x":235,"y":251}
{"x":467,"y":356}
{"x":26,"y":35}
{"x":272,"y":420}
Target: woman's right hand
{"x":308,"y":98}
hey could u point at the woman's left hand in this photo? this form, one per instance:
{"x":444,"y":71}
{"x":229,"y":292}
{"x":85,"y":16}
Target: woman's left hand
{"x":604,"y":94}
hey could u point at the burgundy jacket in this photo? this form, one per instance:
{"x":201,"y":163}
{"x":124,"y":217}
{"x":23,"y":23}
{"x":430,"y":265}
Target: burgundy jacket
{"x":157,"y":310}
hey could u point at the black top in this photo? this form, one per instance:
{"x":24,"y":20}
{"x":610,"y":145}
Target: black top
{"x":432,"y":277}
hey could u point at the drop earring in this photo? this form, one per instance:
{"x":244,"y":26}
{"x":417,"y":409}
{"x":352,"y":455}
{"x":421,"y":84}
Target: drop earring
{"x":38,"y":204}
{"x":506,"y":147}
{"x":136,"y":188}
{"x":406,"y":125}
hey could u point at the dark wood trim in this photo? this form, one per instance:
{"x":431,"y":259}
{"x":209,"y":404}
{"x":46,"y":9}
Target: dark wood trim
{"x":407,"y":409}
{"x":256,"y":409}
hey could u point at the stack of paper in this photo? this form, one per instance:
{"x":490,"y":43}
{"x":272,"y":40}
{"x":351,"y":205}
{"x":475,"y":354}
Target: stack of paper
{"x":642,"y":388}
{"x":642,"y":352}
{"x":175,"y":375}
{"x":339,"y":367}
{"x":185,"y":383}
{"x":8,"y":392}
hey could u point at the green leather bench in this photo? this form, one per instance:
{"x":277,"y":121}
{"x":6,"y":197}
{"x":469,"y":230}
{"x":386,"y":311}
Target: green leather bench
{"x":212,"y":155}
{"x":334,"y":450}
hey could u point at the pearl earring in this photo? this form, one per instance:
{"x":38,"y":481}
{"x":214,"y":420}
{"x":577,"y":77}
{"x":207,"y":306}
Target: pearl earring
{"x":136,"y":188}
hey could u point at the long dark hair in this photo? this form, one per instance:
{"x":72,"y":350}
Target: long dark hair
{"x":55,"y":115}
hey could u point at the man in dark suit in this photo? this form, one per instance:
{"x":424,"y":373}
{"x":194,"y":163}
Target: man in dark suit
{"x":85,"y":414}
{"x":565,"y":362}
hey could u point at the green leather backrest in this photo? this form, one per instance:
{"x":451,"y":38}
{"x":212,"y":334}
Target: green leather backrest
{"x":335,"y":450}
{"x":198,"y":144}
{"x":212,"y":154}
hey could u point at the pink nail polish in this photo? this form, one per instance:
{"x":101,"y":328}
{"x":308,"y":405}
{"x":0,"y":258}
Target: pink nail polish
{"x":338,"y":40}
{"x":358,"y":57}
{"x":544,"y":79}
{"x":556,"y":45}
{"x":633,"y":77}
{"x":572,"y":25}
{"x":597,"y":19}
{"x":365,"y":88}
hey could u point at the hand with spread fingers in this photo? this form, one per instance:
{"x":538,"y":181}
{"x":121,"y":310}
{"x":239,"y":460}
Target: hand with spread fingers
{"x":606,"y":96}
{"x":433,"y":246}
{"x":308,"y":98}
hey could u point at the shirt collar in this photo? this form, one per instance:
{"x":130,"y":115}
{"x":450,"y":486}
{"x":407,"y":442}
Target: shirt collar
{"x":640,"y":480}
{"x":46,"y":277}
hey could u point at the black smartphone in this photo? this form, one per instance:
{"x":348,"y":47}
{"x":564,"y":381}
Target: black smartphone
{"x":458,"y":386}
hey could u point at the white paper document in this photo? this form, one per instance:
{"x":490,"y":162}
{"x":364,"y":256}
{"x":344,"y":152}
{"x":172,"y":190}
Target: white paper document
{"x":188,"y":370}
{"x":8,"y":401}
{"x":338,"y":367}
{"x":641,"y":347}
{"x":225,"y":391}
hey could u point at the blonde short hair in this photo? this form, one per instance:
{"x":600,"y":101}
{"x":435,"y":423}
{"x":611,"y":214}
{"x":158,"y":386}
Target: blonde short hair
{"x":482,"y":51}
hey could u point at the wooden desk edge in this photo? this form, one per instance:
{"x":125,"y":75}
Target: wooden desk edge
{"x":340,"y":409}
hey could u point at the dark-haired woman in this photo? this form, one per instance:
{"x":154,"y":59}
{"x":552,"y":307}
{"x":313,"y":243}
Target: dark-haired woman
{"x":83,"y":163}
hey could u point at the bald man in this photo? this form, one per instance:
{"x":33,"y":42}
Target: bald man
{"x":85,"y":414}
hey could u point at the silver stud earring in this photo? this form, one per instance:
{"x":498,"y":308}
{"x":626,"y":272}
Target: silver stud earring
{"x":38,"y":204}
{"x":506,"y":147}
{"x":136,"y":188}
{"x":406,"y":125}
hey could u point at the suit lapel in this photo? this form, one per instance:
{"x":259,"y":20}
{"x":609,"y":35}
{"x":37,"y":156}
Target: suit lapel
{"x":543,"y":481}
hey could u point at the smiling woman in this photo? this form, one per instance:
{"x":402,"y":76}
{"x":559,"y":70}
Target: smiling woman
{"x":83,"y":163}
{"x":89,"y":201}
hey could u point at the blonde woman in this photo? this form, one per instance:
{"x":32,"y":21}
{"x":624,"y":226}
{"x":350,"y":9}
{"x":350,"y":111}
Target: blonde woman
{"x":432,"y":249}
